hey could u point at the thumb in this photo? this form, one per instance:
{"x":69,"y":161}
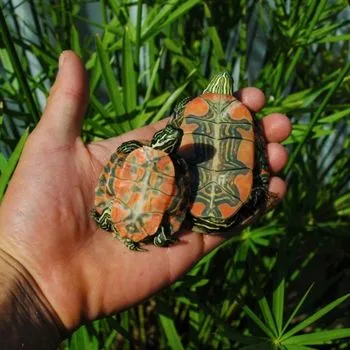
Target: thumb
{"x":66,"y":105}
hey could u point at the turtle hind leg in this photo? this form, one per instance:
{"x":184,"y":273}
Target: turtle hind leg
{"x":129,"y":243}
{"x":135,"y":246}
{"x":162,"y":239}
{"x":260,"y":194}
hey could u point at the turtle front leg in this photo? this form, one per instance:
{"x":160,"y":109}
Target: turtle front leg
{"x":163,"y":240}
{"x":103,"y":219}
{"x":94,"y":214}
{"x":128,"y":146}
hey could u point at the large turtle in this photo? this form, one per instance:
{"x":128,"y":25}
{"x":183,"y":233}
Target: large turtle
{"x":225,"y":151}
{"x":143,"y":191}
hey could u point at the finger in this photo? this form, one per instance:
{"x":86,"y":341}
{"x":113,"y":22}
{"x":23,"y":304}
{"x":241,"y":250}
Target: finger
{"x":252,"y":97}
{"x":277,"y":127}
{"x":278,"y":189}
{"x":277,"y":156}
{"x":67,"y":102}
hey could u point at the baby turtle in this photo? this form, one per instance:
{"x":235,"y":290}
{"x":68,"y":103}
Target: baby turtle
{"x":225,"y":150}
{"x":143,"y":191}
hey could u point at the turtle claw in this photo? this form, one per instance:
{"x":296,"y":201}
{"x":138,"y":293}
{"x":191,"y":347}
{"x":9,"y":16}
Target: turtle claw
{"x":94,"y":214}
{"x":162,"y":240}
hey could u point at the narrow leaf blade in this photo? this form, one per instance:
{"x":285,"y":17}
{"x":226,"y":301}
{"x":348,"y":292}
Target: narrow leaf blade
{"x":315,"y":316}
{"x":12,"y":162}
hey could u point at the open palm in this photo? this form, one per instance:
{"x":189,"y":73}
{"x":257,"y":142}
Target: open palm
{"x":44,"y":219}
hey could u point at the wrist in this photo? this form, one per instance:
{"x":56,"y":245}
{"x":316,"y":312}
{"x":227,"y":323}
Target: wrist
{"x":27,"y":320}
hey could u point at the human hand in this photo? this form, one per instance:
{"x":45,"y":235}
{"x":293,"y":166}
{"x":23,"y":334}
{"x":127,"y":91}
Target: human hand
{"x":80,"y":270}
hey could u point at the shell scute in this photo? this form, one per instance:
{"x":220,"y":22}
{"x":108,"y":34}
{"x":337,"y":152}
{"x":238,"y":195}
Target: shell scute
{"x":197,"y":105}
{"x":238,"y":111}
{"x":243,"y":183}
{"x":198,"y":208}
{"x":245,"y":154}
{"x":227,"y":210}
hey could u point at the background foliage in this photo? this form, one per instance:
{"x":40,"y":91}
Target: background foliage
{"x":282,"y":284}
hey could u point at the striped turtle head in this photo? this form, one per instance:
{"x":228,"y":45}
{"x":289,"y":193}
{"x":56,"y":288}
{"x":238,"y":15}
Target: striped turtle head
{"x":167,"y":139}
{"x":221,"y":83}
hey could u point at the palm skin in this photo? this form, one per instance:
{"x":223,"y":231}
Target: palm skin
{"x":44,"y":219}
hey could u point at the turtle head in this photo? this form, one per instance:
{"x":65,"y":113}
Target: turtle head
{"x":167,"y":139}
{"x":221,"y":83}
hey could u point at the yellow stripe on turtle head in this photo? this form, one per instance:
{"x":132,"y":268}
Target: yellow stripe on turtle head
{"x":221,"y":83}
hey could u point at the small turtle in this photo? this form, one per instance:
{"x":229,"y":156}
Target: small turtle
{"x":225,"y":150}
{"x":143,"y":191}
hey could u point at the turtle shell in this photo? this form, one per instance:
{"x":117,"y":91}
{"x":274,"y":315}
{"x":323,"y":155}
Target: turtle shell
{"x":105,"y":192}
{"x":219,"y":145}
{"x":146,"y":189}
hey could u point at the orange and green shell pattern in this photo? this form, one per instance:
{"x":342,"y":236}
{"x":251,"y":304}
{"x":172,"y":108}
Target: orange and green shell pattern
{"x":143,"y":191}
{"x":227,"y":164}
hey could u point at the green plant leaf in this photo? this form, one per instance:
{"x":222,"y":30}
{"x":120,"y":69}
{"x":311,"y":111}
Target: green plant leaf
{"x":75,"y":41}
{"x":335,"y":117}
{"x":214,"y":36}
{"x":257,"y":321}
{"x":320,"y":337}
{"x":119,"y":326}
{"x":124,"y":328}
{"x":315,"y":317}
{"x":266,"y":312}
{"x":80,"y":340}
{"x":168,"y":325}
{"x":18,"y":68}
{"x":129,"y":75}
{"x":11,"y":163}
{"x":173,"y":97}
{"x":295,"y":311}
{"x":168,"y":13}
{"x":278,"y":304}
{"x":3,"y":163}
{"x":316,"y":116}
{"x":111,"y":82}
